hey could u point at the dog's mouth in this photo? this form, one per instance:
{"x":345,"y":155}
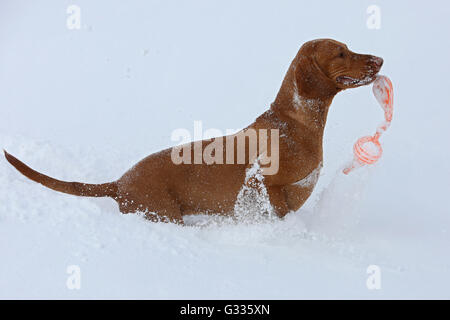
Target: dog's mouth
{"x":348,"y":81}
{"x":372,"y":67}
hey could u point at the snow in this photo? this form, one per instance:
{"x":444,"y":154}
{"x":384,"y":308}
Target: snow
{"x":252,"y":202}
{"x":86,"y":105}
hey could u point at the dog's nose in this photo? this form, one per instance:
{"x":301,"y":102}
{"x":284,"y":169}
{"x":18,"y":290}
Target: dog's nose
{"x":377,"y":61}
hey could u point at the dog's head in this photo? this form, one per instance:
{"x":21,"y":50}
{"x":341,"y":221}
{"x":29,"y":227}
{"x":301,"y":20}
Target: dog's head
{"x":327,"y":66}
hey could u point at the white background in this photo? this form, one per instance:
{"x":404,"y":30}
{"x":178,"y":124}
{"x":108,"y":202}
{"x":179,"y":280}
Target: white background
{"x":87,"y":104}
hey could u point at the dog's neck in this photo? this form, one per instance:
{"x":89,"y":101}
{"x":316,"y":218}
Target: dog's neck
{"x":310,"y":109}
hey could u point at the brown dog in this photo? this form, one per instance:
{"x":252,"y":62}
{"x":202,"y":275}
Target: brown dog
{"x":158,"y":185}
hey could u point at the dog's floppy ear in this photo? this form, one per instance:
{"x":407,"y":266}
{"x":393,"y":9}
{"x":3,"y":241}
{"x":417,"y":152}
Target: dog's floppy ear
{"x":311,"y":81}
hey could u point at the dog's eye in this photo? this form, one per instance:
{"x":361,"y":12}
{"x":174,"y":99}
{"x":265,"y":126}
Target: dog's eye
{"x":341,"y":55}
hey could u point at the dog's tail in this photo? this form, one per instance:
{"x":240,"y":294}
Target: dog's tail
{"x":75,"y":188}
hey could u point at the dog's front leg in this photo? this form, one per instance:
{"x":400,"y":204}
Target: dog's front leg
{"x":278,"y":200}
{"x":296,"y":195}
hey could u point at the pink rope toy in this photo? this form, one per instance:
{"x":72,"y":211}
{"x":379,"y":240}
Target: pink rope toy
{"x":367,"y":150}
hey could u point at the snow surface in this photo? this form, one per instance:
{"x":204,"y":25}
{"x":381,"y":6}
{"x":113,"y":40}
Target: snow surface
{"x":86,"y":105}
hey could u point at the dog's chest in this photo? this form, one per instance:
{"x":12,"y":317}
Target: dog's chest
{"x":311,"y":179}
{"x":300,"y":158}
{"x":300,"y":152}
